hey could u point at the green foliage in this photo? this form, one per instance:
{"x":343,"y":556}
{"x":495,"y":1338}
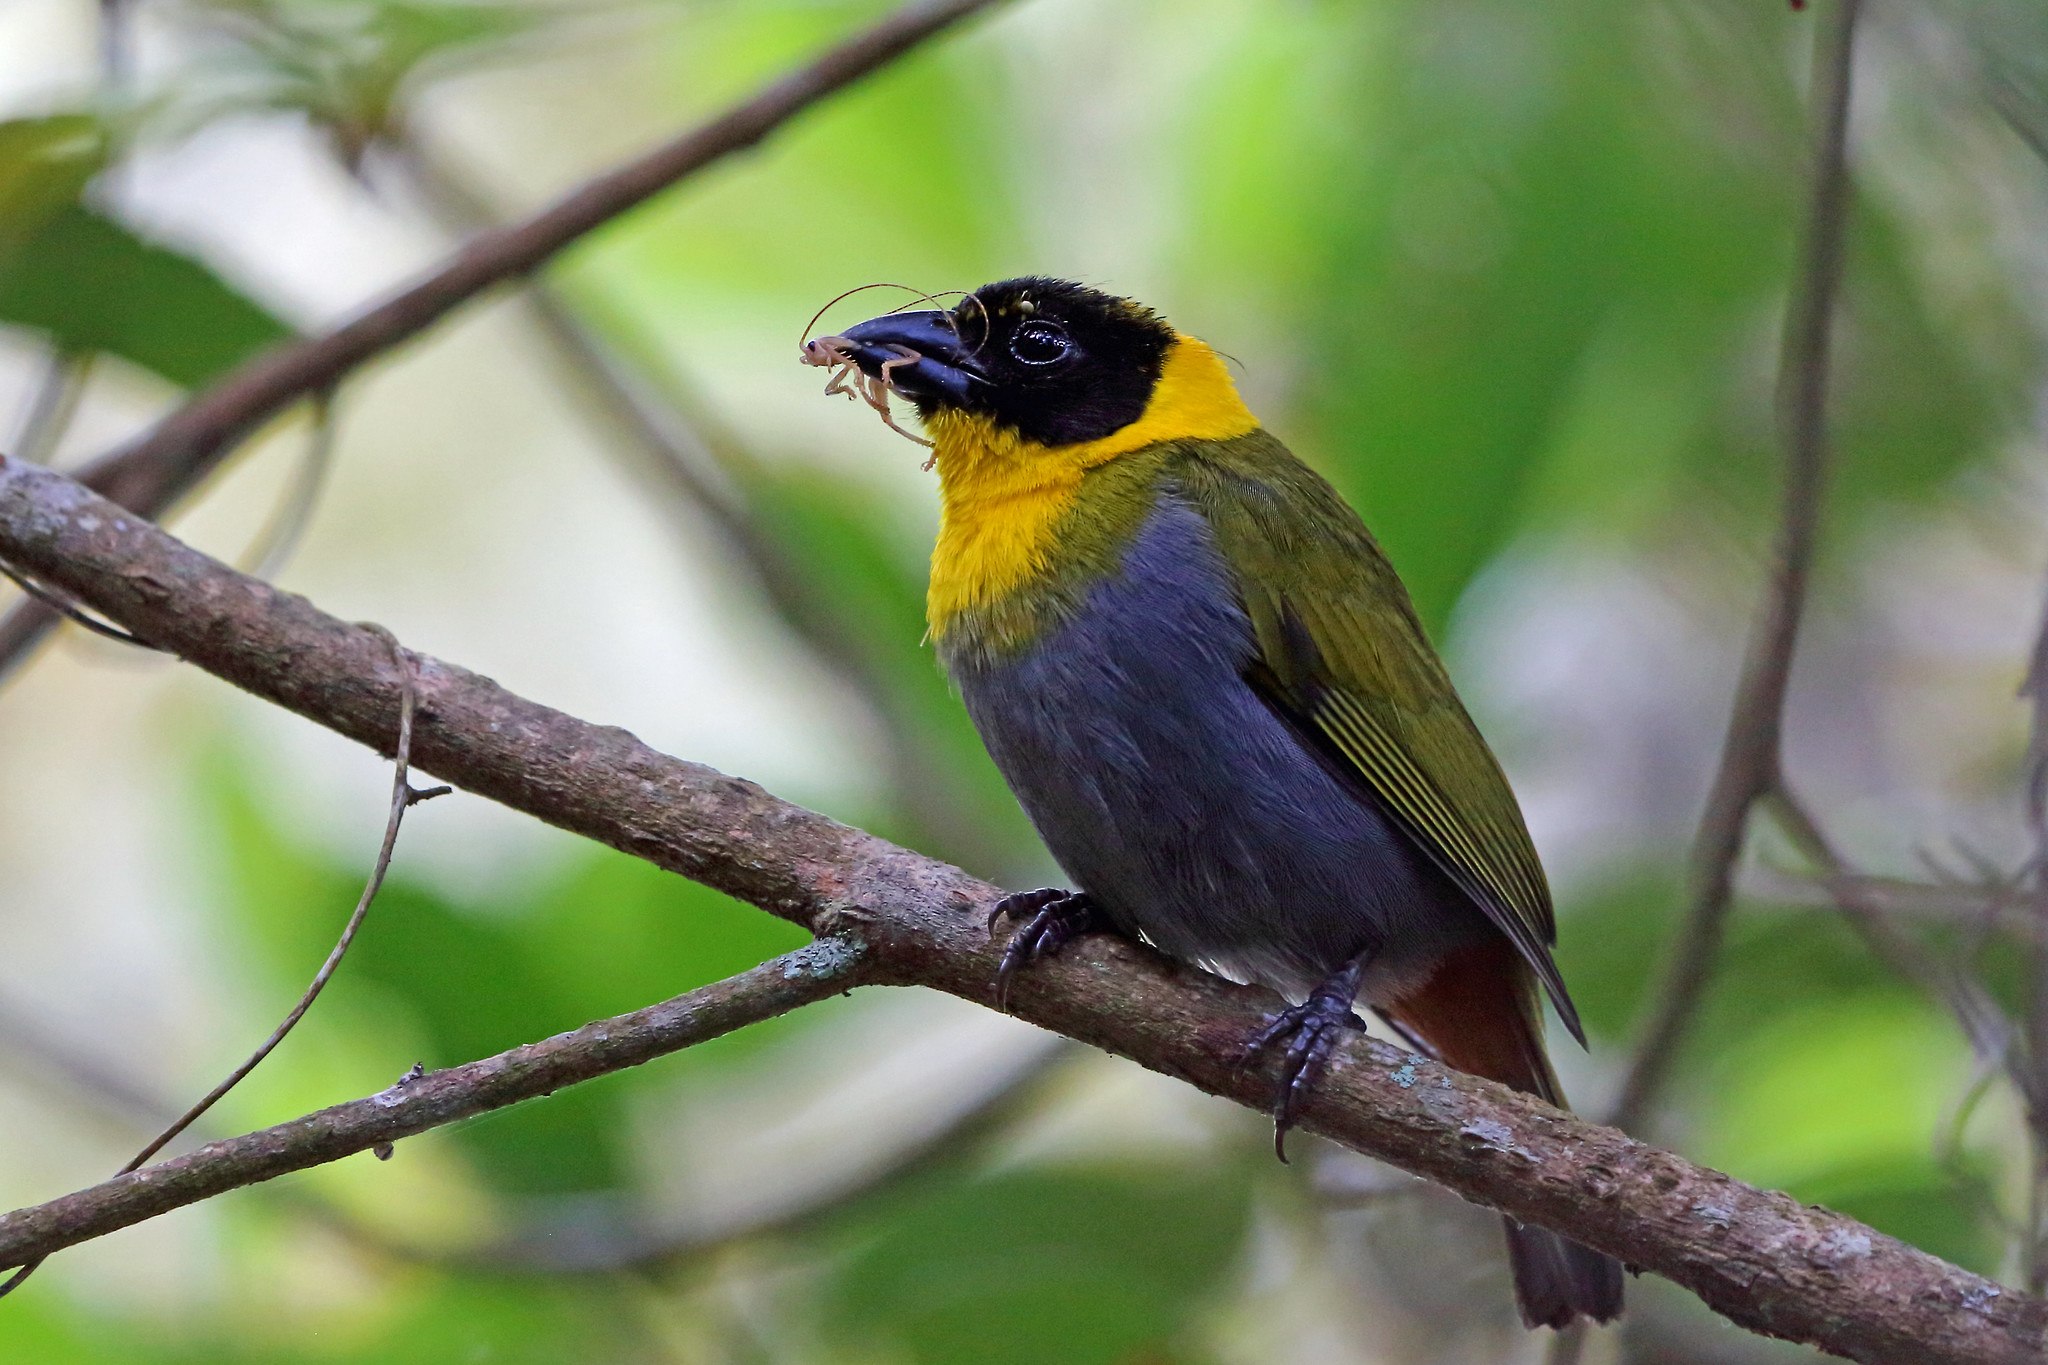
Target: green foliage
{"x":348,"y":66}
{"x":436,"y":1319}
{"x":45,"y":164}
{"x":605,"y":935}
{"x":1507,"y":273}
{"x":1084,"y":1267}
{"x":1610,"y":946}
{"x":92,"y":285}
{"x":1548,"y":296}
{"x":1840,"y":1102}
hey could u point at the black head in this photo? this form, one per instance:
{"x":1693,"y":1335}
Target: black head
{"x":1054,"y":361}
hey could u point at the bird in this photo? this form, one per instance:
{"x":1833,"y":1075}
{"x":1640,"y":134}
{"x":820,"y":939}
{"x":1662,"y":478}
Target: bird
{"x":1205,"y":684}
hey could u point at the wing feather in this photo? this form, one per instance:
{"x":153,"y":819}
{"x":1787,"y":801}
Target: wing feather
{"x":1344,"y":659}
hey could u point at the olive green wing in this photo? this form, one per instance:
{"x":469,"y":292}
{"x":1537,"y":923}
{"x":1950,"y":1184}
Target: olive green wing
{"x":1343,"y":659}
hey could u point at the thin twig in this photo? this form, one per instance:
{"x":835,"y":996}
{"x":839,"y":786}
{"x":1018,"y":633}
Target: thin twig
{"x":403,"y":797}
{"x":279,"y":539}
{"x":1992,"y":910}
{"x":154,"y":472}
{"x":1990,"y":1033}
{"x":114,"y":43}
{"x":1751,"y":753}
{"x":1763,"y":1259}
{"x":52,"y":404}
{"x":69,"y":610}
{"x":2034,"y":1245}
{"x":420,"y":1102}
{"x":538,"y":1243}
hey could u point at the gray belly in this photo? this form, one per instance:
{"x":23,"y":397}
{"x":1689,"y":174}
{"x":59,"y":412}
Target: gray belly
{"x":1170,"y":792}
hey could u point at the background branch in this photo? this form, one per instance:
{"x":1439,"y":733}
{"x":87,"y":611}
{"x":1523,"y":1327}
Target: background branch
{"x":432,"y":1100}
{"x":152,"y":473}
{"x":1760,"y":1258}
{"x":1751,"y":758}
{"x":943,"y":1140}
{"x":403,"y":797}
{"x":702,"y":469}
{"x":52,"y":403}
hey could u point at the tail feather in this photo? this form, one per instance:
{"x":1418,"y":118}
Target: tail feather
{"x":1478,"y":1013}
{"x":1557,"y":1281}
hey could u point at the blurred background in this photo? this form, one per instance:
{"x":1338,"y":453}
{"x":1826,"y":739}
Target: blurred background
{"x":1511,"y":275}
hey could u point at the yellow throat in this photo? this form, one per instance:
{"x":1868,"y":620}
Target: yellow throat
{"x":1001,"y":496}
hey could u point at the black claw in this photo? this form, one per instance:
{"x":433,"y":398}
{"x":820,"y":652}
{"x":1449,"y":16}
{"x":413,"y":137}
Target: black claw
{"x":1052,"y":919}
{"x":1311,"y":1029}
{"x":1025,"y":904}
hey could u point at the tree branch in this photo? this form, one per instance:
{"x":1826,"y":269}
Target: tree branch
{"x":550,"y":1246}
{"x":700,"y":467}
{"x":153,"y":472}
{"x":898,"y":918}
{"x":419,"y":1103}
{"x":1751,"y":755}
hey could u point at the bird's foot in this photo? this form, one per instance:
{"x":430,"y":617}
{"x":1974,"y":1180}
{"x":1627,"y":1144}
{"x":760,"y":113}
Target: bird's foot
{"x":1310,"y":1030}
{"x":1051,"y":919}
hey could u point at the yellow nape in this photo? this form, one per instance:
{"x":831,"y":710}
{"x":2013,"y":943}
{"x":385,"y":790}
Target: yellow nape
{"x":1001,"y":496}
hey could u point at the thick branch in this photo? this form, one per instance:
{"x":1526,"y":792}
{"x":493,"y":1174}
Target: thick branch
{"x":1760,"y":1258}
{"x":152,"y":473}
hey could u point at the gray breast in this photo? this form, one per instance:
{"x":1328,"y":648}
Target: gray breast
{"x":1169,"y":790}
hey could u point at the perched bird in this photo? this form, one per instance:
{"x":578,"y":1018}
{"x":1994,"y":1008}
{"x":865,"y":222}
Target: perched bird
{"x":1202,"y":679}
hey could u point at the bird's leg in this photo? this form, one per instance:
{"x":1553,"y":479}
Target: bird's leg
{"x":1310,"y":1029}
{"x":1052,"y":918}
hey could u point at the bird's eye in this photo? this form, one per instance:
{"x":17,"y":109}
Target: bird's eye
{"x":1040,"y":343}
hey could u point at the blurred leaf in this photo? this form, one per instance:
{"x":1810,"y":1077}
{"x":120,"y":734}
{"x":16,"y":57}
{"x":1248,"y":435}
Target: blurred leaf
{"x":532,"y":1322}
{"x":1842,"y":1099}
{"x":1525,"y":182}
{"x":1555,"y":267}
{"x":44,"y":166}
{"x":1082,"y":1267}
{"x":1915,"y":395}
{"x":1611,"y":944}
{"x":427,"y":1317}
{"x":1825,"y":1082}
{"x":38,"y":1328}
{"x":617,"y":933}
{"x":347,"y":65}
{"x":93,"y":285}
{"x":2011,"y":43}
{"x":468,"y":982}
{"x":1913,"y":1198}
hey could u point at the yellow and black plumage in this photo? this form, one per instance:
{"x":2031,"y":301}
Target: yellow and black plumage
{"x":1209,"y":690}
